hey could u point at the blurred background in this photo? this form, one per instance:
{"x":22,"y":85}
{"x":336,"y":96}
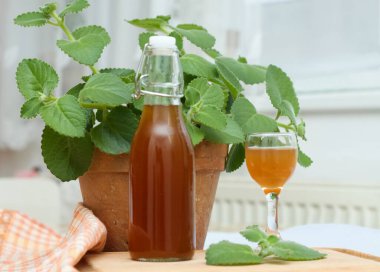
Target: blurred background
{"x":330,"y":48}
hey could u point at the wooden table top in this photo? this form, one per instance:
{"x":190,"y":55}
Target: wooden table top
{"x":335,"y":262}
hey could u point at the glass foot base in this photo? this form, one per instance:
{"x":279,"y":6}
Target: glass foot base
{"x":272,"y":232}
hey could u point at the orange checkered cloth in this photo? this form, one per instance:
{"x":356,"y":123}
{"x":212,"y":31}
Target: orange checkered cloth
{"x":27,"y":245}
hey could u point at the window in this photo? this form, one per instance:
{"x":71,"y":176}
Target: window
{"x":324,"y":45}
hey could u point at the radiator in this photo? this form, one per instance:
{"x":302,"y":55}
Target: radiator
{"x":239,"y":202}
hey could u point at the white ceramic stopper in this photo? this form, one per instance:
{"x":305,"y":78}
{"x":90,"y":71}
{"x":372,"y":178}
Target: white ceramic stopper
{"x":162,"y":42}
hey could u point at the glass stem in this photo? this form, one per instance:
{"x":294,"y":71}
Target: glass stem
{"x":272,"y":220}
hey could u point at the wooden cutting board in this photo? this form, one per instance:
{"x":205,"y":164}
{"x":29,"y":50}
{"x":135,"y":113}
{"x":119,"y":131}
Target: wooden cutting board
{"x":338,"y":260}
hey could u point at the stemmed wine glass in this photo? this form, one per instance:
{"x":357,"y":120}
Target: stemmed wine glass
{"x":271,"y":159}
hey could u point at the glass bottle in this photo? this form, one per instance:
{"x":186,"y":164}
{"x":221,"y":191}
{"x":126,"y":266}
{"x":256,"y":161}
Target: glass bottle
{"x":161,"y":192}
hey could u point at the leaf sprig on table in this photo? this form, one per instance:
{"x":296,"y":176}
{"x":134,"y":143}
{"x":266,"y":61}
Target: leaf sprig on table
{"x":227,"y":253}
{"x":99,"y":110}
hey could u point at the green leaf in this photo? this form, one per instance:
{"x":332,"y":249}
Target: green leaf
{"x":166,"y":18}
{"x":187,"y":78}
{"x":127,"y":75}
{"x":198,"y":66}
{"x":88,"y":44}
{"x":249,"y":74}
{"x":272,"y":239}
{"x":99,"y":31}
{"x":178,"y":40}
{"x":212,"y":52}
{"x":34,"y":18}
{"x":120,"y":72}
{"x":288,"y":110}
{"x":303,"y":159}
{"x":86,"y":78}
{"x":151,"y":24}
{"x":280,"y":88}
{"x":115,"y":133}
{"x":107,"y":89}
{"x":195,"y":133}
{"x":242,"y":59}
{"x":235,"y":157}
{"x":227,"y":253}
{"x":229,"y":100}
{"x":244,"y":113}
{"x":31,"y":108}
{"x":208,"y":94}
{"x":214,"y":96}
{"x":192,"y":96}
{"x":231,"y":134}
{"x":74,"y":6}
{"x":139,"y":103}
{"x":35,"y":77}
{"x":144,"y":38}
{"x":99,"y":115}
{"x":196,"y":35}
{"x":242,"y":110}
{"x":191,"y":27}
{"x":90,"y":119}
{"x":229,"y":78}
{"x":196,"y":88}
{"x":291,"y":251}
{"x":254,"y":234}
{"x":201,"y":84}
{"x":259,"y":123}
{"x":48,"y":8}
{"x":211,"y":116}
{"x":67,"y":158}
{"x":65,"y":116}
{"x":301,"y":130}
{"x":74,"y":91}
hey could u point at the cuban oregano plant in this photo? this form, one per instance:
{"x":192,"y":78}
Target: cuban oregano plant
{"x":100,"y":112}
{"x":227,"y":253}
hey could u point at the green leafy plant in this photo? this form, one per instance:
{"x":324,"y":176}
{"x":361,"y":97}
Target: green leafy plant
{"x":227,"y":253}
{"x":100,"y":112}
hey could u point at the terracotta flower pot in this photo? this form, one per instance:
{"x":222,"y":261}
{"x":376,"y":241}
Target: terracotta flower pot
{"x":105,"y":191}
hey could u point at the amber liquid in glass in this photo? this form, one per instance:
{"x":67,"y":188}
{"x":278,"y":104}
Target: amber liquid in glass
{"x":271,"y":167}
{"x":162,"y":185}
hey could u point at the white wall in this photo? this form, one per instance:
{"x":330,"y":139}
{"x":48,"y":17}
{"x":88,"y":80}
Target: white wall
{"x":12,"y":161}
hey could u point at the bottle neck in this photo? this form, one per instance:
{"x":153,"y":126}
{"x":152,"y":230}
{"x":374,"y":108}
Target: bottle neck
{"x":161,"y":100}
{"x":158,"y":113}
{"x":160,"y":73}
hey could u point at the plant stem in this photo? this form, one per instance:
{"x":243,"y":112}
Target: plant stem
{"x":217,"y":81}
{"x":66,"y":30}
{"x":105,"y":114}
{"x":182,"y":52}
{"x":167,"y":29}
{"x":52,"y":23}
{"x":93,"y":69}
{"x":189,"y":115}
{"x":93,"y":106}
{"x":63,"y":26}
{"x":278,"y":115}
{"x":48,"y":99}
{"x":285,"y":126}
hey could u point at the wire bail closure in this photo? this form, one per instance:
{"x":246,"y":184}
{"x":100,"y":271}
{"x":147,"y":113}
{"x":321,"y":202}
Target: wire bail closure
{"x":141,"y":82}
{"x":146,"y":83}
